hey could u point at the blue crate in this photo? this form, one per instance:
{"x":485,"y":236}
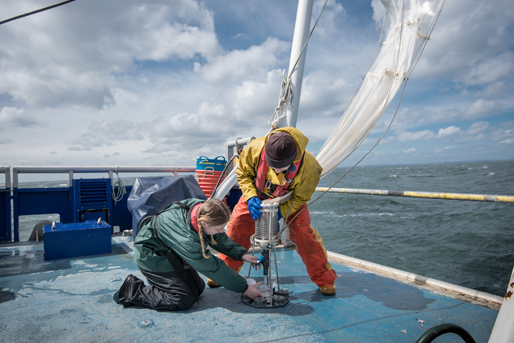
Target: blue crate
{"x":77,"y":240}
{"x":217,"y":164}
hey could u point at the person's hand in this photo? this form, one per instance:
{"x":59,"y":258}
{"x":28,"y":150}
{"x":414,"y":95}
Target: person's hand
{"x":254,"y":260}
{"x":254,"y":205}
{"x":253,"y":291}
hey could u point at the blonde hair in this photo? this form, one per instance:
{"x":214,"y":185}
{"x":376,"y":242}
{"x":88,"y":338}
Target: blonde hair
{"x":213,"y":212}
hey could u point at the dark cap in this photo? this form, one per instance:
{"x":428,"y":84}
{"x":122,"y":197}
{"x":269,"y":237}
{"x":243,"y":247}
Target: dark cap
{"x":280,"y":150}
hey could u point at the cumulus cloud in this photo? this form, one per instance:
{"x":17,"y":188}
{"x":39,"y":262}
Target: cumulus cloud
{"x":449,"y":131}
{"x":104,"y":133}
{"x":410,"y":151}
{"x":491,"y":70}
{"x":240,"y":64}
{"x":462,"y":46}
{"x":445,"y":149}
{"x":405,"y":136}
{"x":483,"y":108}
{"x":477,"y":127}
{"x":13,"y":118}
{"x":91,"y":41}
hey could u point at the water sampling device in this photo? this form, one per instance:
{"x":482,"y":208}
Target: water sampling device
{"x":267,"y":237}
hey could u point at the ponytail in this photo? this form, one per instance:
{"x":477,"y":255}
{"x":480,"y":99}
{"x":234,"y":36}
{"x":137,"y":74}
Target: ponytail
{"x":213,"y":212}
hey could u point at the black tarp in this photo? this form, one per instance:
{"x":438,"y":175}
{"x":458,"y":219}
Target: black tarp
{"x":153,"y":194}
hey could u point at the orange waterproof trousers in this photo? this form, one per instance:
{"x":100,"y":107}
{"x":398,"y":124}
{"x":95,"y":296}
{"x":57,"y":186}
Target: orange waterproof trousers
{"x":309,"y":244}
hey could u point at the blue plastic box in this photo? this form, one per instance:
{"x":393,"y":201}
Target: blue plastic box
{"x":217,"y":164}
{"x":77,"y":240}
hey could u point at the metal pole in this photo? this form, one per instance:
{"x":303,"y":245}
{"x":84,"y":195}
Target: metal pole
{"x":301,"y":33}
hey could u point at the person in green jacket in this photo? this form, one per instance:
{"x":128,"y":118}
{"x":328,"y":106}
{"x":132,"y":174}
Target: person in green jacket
{"x":170,"y":250}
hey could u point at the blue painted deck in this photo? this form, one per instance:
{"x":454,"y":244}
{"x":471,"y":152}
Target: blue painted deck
{"x":71,"y":300}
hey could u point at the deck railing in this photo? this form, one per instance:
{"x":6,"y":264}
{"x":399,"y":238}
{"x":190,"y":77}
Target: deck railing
{"x":426,"y":195}
{"x":62,"y":200}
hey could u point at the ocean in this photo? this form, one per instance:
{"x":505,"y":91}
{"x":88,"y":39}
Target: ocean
{"x":467,"y":243}
{"x":462,"y":242}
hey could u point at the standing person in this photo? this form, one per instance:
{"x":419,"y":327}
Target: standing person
{"x":270,"y":167}
{"x":170,"y":250}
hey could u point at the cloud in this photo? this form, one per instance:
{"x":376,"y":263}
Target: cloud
{"x":492,"y":70}
{"x":103,"y":133}
{"x":462,"y":46}
{"x":410,"y":151}
{"x":13,"y":118}
{"x":505,"y":133}
{"x":477,"y":127}
{"x":68,"y":57}
{"x":243,"y":64}
{"x":508,"y":141}
{"x":404,"y":136}
{"x":449,"y":131}
{"x":444,"y":150}
{"x":483,"y":108}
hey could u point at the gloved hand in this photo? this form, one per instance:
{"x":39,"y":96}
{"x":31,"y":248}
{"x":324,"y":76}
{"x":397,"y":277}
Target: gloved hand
{"x":254,"y":205}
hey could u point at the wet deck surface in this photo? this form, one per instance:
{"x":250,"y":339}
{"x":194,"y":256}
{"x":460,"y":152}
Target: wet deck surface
{"x":71,"y":300}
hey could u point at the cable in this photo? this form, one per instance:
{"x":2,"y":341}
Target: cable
{"x":122,"y":190}
{"x":285,"y":88}
{"x":34,"y":12}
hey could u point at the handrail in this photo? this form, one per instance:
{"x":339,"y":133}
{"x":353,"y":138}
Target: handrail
{"x":426,"y":195}
{"x":70,"y":170}
{"x":7,"y":171}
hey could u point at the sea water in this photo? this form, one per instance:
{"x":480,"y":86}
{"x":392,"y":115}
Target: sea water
{"x":466,"y":243}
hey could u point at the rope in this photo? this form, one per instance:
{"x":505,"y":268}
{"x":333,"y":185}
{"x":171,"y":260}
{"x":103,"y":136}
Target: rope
{"x":286,"y":93}
{"x":34,"y":12}
{"x":117,"y":195}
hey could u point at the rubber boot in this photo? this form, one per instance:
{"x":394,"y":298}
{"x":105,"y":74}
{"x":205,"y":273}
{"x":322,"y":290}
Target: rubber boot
{"x":328,"y":289}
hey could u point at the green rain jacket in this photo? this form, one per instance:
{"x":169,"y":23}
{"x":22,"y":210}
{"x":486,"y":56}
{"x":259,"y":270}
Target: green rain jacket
{"x":174,"y":230}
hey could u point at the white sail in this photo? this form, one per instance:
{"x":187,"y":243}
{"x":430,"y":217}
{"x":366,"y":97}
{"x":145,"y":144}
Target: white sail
{"x":411,"y":22}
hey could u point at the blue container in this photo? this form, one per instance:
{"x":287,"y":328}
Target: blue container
{"x":217,"y":164}
{"x":77,"y":240}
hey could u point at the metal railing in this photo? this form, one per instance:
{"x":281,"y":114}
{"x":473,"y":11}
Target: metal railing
{"x":70,"y":170}
{"x":426,"y":195}
{"x":7,"y":172}
{"x":26,"y":201}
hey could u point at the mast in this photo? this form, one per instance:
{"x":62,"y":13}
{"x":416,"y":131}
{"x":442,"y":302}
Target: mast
{"x":301,"y":33}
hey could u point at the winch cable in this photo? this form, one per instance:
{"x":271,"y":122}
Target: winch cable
{"x":34,"y":12}
{"x":286,"y":94}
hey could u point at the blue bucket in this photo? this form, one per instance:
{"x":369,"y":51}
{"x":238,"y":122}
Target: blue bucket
{"x":217,"y":163}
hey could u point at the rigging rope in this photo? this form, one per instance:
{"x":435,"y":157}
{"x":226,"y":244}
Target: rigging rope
{"x":34,"y":12}
{"x":286,"y":93}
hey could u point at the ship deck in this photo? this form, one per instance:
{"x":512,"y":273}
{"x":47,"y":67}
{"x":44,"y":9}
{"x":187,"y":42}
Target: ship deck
{"x":67,"y":300}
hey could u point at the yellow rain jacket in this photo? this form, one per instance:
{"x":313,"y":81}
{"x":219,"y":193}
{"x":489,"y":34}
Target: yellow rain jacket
{"x":303,"y":184}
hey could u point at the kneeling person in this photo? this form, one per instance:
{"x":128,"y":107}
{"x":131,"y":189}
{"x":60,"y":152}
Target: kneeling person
{"x":170,"y":250}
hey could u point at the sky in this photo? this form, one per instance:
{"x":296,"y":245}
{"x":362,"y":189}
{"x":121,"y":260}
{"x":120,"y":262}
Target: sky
{"x":163,"y":82}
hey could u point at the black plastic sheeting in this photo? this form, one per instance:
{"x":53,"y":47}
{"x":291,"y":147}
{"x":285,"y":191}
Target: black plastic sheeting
{"x":153,"y":194}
